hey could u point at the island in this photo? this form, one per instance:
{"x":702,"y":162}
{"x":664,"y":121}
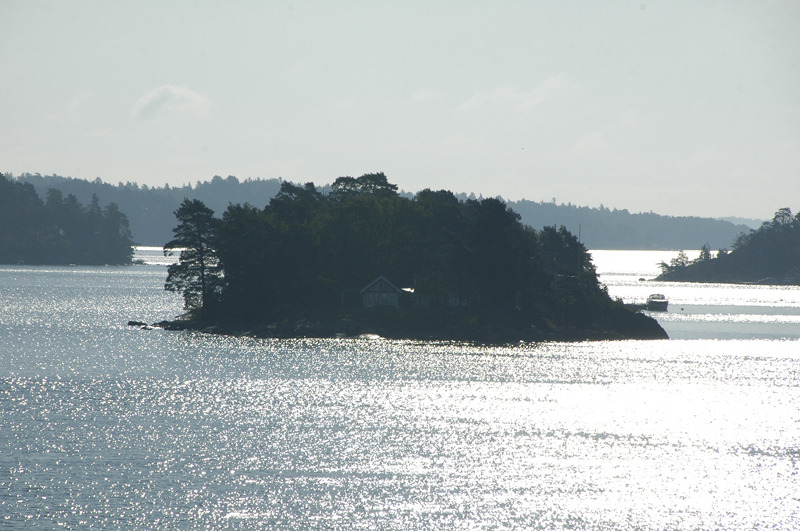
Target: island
{"x":767,"y":255}
{"x":363,"y":259}
{"x":59,"y":230}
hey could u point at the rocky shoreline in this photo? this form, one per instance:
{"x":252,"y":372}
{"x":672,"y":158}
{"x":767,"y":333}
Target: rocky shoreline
{"x":629,"y":325}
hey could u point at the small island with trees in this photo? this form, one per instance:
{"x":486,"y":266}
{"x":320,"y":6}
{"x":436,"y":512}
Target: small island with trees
{"x":59,"y":230}
{"x":767,"y":255}
{"x":363,"y":259}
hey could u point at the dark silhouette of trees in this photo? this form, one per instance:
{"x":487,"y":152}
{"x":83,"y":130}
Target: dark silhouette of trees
{"x":60,"y":230}
{"x":679,"y":263}
{"x":150,"y":210}
{"x":767,"y":254}
{"x":112,"y":235}
{"x":197,"y":274}
{"x":705,"y":254}
{"x":306,"y":254}
{"x":604,"y":228}
{"x":23,"y":237}
{"x":369,"y":183}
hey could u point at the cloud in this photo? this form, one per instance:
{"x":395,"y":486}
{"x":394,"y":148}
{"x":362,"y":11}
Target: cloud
{"x":606,"y":139}
{"x":425,"y":94}
{"x":549,"y":88}
{"x":591,"y":143}
{"x":170,"y":100}
{"x":77,"y":107}
{"x":509,"y":94}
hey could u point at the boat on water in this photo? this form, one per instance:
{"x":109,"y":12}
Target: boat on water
{"x":657,"y":302}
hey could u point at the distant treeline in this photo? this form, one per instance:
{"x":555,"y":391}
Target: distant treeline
{"x":59,"y":230}
{"x":603,"y":228}
{"x":770,"y":254}
{"x":150,"y":211}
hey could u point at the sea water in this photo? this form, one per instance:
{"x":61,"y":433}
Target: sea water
{"x":702,"y":311}
{"x":103,"y":425}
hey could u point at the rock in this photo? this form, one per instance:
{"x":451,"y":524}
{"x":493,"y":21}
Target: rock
{"x":136,"y":323}
{"x":172,"y":325}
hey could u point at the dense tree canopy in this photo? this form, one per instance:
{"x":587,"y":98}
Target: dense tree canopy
{"x":197,"y":273}
{"x":770,"y":253}
{"x":59,"y":230}
{"x":306,"y":255}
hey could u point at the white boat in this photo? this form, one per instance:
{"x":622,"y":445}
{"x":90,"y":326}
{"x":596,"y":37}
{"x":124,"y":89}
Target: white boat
{"x":657,"y":302}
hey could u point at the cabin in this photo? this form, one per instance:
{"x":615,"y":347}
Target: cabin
{"x":380,"y":293}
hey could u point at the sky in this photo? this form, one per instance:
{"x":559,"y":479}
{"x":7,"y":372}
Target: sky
{"x":679,"y":107}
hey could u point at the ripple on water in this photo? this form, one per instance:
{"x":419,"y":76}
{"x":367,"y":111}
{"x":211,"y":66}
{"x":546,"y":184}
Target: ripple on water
{"x":108,"y":426}
{"x":399,"y":434}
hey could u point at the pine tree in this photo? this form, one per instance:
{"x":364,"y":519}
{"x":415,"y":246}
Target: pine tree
{"x":197,"y":274}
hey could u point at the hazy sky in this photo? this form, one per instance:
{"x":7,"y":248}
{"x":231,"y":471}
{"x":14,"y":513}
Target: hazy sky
{"x":679,"y":107}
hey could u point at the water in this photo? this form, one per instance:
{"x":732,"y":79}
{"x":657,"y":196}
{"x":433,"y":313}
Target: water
{"x":702,"y":311}
{"x":108,"y":426}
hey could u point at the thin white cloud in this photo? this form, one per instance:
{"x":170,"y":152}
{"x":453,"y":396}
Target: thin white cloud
{"x":549,"y":88}
{"x":170,"y":100}
{"x":425,"y":94}
{"x":591,"y":143}
{"x":503,"y":93}
{"x":509,"y":94}
{"x":80,"y":100}
{"x":77,"y":106}
{"x":613,"y":135}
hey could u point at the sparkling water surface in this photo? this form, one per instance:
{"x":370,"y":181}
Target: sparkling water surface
{"x":108,"y":426}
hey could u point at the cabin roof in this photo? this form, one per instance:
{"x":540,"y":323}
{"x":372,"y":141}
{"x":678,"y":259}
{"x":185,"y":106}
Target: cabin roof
{"x":380,"y":285}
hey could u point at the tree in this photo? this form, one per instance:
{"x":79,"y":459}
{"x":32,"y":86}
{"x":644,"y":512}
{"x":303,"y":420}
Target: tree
{"x":197,"y":274}
{"x":705,"y":254}
{"x":60,"y":231}
{"x":679,"y":261}
{"x":344,"y":187}
{"x":369,"y":183}
{"x":113,"y":240}
{"x":376,"y":183}
{"x":22,"y":223}
{"x":782,"y":218}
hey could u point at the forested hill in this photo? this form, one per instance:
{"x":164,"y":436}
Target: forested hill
{"x":59,"y":230}
{"x":150,"y":211}
{"x":768,"y":255}
{"x":603,"y":228}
